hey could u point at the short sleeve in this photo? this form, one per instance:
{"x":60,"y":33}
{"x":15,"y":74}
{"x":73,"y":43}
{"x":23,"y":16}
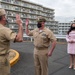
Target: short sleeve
{"x":51,"y":36}
{"x":9,"y":34}
{"x":30,"y":33}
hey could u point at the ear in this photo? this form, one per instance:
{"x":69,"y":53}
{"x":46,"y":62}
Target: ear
{"x":3,"y":17}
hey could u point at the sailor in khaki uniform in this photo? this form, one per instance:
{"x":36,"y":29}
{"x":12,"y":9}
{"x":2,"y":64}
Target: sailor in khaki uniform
{"x":7,"y":35}
{"x":42,"y":39}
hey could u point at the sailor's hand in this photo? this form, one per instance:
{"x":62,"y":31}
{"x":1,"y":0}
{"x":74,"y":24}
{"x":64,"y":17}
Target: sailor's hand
{"x":18,"y":20}
{"x":27,"y":22}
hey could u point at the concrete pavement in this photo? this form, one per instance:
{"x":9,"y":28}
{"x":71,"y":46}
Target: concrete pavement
{"x":58,"y":62}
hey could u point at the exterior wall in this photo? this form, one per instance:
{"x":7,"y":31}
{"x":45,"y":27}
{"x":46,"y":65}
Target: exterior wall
{"x":30,"y":10}
{"x":63,"y":28}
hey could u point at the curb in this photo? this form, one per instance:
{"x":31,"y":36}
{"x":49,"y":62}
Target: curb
{"x":15,"y":59}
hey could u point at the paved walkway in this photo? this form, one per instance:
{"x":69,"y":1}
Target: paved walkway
{"x":58,"y":62}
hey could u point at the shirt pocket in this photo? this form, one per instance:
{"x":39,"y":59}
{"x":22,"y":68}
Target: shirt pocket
{"x":44,"y":37}
{"x":35,"y":35}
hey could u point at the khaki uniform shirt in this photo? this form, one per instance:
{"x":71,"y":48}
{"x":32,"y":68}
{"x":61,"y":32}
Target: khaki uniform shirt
{"x":6,"y":35}
{"x":42,"y":38}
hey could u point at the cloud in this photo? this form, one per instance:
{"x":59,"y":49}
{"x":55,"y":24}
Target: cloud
{"x":63,"y":8}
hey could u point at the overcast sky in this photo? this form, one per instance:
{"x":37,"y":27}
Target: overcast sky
{"x":64,"y":9}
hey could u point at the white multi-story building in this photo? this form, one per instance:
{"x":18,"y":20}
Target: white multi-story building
{"x":63,"y":28}
{"x":30,"y":10}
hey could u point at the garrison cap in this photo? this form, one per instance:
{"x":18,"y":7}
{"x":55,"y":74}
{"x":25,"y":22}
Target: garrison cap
{"x":2,"y":12}
{"x":41,"y":19}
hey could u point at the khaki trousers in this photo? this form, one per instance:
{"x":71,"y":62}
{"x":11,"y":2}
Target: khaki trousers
{"x":41,"y":63}
{"x":4,"y":66}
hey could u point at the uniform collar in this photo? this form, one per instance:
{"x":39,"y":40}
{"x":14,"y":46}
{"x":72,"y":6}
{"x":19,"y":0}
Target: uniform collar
{"x":42,"y":29}
{"x":1,"y":25}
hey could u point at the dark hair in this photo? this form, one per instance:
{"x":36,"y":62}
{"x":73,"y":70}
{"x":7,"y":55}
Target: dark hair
{"x":70,"y":29}
{"x":0,"y":18}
